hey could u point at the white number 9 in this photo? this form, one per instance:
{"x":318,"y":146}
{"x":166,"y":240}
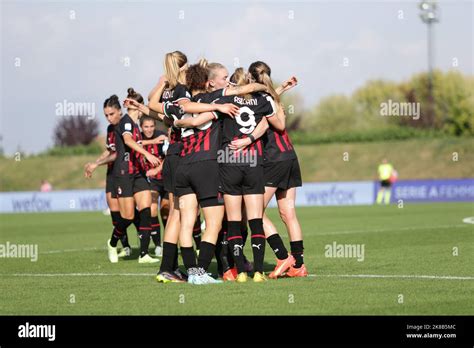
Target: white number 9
{"x":249,"y":124}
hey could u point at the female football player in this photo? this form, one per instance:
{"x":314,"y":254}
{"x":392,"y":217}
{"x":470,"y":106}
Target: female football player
{"x":113,"y":113}
{"x":152,"y":141}
{"x":132,"y":187}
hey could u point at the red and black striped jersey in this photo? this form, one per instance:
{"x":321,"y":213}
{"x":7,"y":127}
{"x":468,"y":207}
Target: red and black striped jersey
{"x":203,"y":142}
{"x":277,"y":146}
{"x":252,"y":111}
{"x":128,"y":161}
{"x":110,"y":145}
{"x":155,"y":150}
{"x":175,"y":95}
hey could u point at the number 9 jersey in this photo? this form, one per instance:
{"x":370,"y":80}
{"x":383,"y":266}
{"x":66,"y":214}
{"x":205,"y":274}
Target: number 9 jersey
{"x":252,"y":111}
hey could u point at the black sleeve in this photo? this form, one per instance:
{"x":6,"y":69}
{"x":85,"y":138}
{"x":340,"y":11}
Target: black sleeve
{"x":172,"y":112}
{"x":125,"y":126}
{"x":268,"y":106}
{"x":181,"y":93}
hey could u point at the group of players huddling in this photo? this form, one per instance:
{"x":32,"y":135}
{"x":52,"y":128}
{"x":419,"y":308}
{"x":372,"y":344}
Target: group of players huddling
{"x":226,"y":154}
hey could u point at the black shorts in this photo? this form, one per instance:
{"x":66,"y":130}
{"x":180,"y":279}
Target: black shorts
{"x":283,"y":174}
{"x":158,"y":186}
{"x":241,"y":180}
{"x":169,"y":172}
{"x":127,"y":186}
{"x":385,"y":183}
{"x":201,"y":178}
{"x":110,"y":185}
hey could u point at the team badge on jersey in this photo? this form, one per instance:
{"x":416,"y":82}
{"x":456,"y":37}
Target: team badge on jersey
{"x":128,"y":126}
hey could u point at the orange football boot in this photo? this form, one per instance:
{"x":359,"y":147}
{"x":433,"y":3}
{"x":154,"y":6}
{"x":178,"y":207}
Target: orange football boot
{"x":282,"y":266}
{"x":297,"y":272}
{"x":230,"y":275}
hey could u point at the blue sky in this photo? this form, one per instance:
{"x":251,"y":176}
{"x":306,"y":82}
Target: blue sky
{"x":78,"y":50}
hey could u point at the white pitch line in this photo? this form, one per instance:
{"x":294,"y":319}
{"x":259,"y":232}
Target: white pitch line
{"x":363,"y":276}
{"x":70,"y":250}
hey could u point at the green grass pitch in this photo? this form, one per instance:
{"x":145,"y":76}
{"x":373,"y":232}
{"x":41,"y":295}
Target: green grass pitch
{"x":418,"y":259}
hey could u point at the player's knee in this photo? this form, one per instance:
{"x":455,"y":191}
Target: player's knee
{"x":287,"y":214}
{"x":213,"y":224}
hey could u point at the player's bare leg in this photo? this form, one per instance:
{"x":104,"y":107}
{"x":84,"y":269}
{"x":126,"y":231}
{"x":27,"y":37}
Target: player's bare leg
{"x":155,"y":223}
{"x":284,"y":259}
{"x":286,"y":207}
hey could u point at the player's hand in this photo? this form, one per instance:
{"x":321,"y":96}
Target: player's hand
{"x":289,"y":84}
{"x":153,"y":172}
{"x":131,"y":104}
{"x":240,"y":144}
{"x":89,"y":169}
{"x":229,"y":109}
{"x":161,"y":139}
{"x":152,"y":159}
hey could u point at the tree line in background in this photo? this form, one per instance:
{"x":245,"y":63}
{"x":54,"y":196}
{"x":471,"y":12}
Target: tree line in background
{"x":359,"y":116}
{"x":340,"y":118}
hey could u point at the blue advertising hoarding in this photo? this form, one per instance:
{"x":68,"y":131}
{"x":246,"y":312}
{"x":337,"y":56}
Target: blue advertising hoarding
{"x":310,"y":194}
{"x":447,"y":190}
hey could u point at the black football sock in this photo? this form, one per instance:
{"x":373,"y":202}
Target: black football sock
{"x":170,"y":250}
{"x":136,"y":220}
{"x":236,"y":244}
{"x":155,"y":231}
{"x":144,"y":231}
{"x":189,"y":257}
{"x":117,"y":233}
{"x":222,"y":250}
{"x":175,"y":260}
{"x":245,"y":231}
{"x":197,"y":232}
{"x":276,"y":243}
{"x":258,"y":243}
{"x":218,"y":251}
{"x":206,"y":252}
{"x":115,"y":215}
{"x":297,"y":252}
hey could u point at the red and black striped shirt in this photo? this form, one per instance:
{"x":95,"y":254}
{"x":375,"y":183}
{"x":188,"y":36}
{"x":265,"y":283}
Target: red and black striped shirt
{"x":128,"y":161}
{"x":203,"y":142}
{"x":155,"y":150}
{"x":277,"y":146}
